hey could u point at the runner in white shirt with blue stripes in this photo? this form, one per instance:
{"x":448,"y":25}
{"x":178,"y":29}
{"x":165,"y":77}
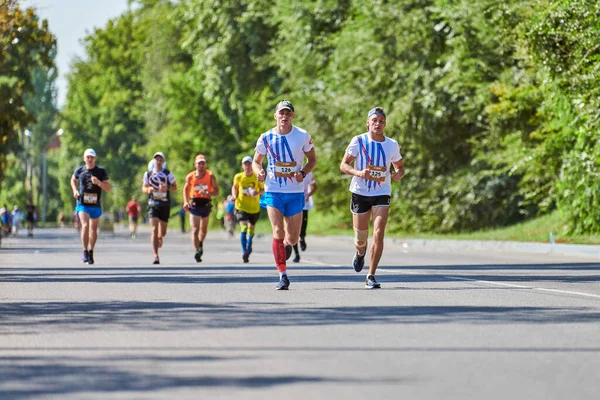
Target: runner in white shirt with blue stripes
{"x":372,"y":154}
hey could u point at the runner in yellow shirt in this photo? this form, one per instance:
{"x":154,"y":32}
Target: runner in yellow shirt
{"x":246,"y":191}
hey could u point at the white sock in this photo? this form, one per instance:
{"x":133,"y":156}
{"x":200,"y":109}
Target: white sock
{"x":282,"y":273}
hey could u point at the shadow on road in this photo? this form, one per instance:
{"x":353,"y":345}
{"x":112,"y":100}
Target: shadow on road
{"x":34,"y":318}
{"x":29,"y":377}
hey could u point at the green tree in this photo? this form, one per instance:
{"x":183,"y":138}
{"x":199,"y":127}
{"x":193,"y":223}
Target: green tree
{"x":25,"y":43}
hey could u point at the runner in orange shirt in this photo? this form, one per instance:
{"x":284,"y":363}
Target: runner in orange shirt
{"x":200,"y":186}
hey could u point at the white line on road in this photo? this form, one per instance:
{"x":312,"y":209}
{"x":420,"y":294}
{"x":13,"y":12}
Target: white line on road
{"x":524,"y":287}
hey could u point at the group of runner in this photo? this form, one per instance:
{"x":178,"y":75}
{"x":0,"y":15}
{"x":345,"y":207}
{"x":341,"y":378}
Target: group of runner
{"x":284,"y":187}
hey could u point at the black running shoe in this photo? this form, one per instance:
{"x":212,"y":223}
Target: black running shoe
{"x":371,"y":283}
{"x":288,"y":251}
{"x":358,"y":262}
{"x":90,"y":257}
{"x":302,"y":244}
{"x":246,"y":257}
{"x":284,"y":283}
{"x":156,"y":260}
{"x":297,"y":258}
{"x":198,"y":256}
{"x":85,"y":257}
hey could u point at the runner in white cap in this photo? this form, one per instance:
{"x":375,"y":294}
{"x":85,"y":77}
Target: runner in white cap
{"x":88,"y":182}
{"x":246,"y":191}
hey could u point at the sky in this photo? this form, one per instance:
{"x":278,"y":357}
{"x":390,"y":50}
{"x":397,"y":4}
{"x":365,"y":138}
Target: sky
{"x":70,"y":21}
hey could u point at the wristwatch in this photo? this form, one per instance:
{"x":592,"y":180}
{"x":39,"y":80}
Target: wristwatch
{"x":303,"y":173}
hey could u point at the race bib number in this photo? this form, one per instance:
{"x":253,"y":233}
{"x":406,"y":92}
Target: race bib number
{"x":377,"y":174}
{"x":285,"y":169}
{"x":249,"y":191}
{"x":201,"y":188}
{"x":159,"y":195}
{"x":90,"y":198}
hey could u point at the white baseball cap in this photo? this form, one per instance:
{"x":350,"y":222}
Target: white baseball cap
{"x":159,"y":153}
{"x":89,"y":152}
{"x":246,"y":159}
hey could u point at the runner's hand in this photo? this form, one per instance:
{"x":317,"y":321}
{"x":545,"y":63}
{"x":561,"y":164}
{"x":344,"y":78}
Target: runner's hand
{"x":396,"y":176}
{"x":261,"y":175}
{"x":76,"y":194}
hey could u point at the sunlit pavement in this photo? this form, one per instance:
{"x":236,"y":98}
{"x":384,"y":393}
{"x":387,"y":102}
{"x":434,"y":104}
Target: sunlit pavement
{"x":446,"y":324}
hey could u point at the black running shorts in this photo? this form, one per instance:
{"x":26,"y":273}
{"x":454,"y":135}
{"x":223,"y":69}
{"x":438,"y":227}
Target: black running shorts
{"x":244,"y":216}
{"x":363,"y":204}
{"x":160,"y":212}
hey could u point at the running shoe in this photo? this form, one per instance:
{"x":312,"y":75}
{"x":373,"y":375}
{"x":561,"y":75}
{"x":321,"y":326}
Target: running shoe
{"x":246,"y":257}
{"x":156,"y":260}
{"x":358,"y":262}
{"x":284,"y":283}
{"x":371,"y":283}
{"x":90,"y":257}
{"x":288,"y":251}
{"x":302,"y":244}
{"x":85,"y":257}
{"x":198,"y":256}
{"x":297,"y":258}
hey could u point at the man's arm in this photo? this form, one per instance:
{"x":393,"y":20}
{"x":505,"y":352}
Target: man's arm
{"x":215,"y":185}
{"x":74,"y":187}
{"x":257,"y":166}
{"x":398,"y":170}
{"x":234,"y":189}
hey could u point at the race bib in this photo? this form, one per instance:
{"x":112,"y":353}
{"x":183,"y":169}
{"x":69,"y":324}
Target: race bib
{"x":201,"y":188}
{"x":249,"y":191}
{"x":159,"y":195}
{"x":90,"y":198}
{"x":285,"y":169}
{"x":377,"y":174}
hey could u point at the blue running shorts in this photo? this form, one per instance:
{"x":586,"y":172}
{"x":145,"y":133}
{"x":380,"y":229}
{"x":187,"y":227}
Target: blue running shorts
{"x":93,"y":212}
{"x":287,"y":203}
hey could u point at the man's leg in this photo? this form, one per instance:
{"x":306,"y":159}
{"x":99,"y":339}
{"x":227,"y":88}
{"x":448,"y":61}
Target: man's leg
{"x":244,"y":235}
{"x":203,"y":229}
{"x":154,"y":224}
{"x":195,"y":228}
{"x":380,"y":217}
{"x":303,"y":229}
{"x":360,"y":223}
{"x":250,"y":237}
{"x":276,"y":219}
{"x":93,"y":222}
{"x":84,"y":220}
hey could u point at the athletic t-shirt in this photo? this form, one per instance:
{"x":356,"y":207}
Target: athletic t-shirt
{"x":90,"y":194}
{"x":285,"y":155}
{"x":377,"y":157}
{"x":198,"y":186}
{"x":247,"y":187}
{"x":133,"y":209}
{"x":153,"y":179}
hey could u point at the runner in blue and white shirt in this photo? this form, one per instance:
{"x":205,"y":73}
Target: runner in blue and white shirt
{"x":286,"y":146}
{"x":372,"y":154}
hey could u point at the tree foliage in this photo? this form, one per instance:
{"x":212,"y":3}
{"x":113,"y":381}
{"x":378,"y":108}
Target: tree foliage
{"x":495,"y":104}
{"x":25,"y":44}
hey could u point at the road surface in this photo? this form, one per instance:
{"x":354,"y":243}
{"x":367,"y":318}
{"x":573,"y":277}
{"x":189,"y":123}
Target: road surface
{"x":445,"y":325}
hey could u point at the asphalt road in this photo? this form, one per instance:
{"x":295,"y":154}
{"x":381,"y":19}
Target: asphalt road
{"x":445,"y":325}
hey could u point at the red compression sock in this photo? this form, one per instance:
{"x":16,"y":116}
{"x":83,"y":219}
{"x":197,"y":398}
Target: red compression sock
{"x":279,"y":254}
